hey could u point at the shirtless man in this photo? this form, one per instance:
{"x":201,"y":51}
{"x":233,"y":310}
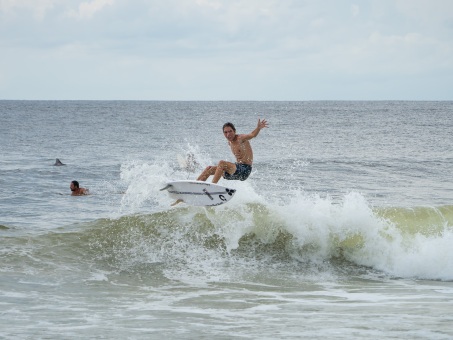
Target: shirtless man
{"x":76,"y":191}
{"x":242,"y":150}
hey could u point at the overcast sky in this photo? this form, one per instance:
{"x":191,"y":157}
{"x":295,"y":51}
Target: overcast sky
{"x":226,"y":49}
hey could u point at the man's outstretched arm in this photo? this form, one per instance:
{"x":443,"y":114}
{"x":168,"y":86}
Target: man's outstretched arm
{"x":261,"y":125}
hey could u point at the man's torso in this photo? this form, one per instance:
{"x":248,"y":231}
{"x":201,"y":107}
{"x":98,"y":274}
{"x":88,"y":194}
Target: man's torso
{"x":242,"y":150}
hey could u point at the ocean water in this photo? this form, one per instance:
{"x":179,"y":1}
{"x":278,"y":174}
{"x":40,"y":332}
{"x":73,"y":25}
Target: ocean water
{"x":344,"y":229}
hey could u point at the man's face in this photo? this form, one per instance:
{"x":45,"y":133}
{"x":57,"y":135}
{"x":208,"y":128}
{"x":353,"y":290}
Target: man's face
{"x":72,"y":187}
{"x":229,"y":133}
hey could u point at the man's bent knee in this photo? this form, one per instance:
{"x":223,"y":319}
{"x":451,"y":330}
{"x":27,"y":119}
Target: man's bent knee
{"x":223,"y":164}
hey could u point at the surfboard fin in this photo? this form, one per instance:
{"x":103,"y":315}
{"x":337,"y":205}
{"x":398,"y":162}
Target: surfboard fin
{"x":177,"y":202}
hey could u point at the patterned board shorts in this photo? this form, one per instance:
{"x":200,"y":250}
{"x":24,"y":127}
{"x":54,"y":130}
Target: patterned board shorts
{"x":242,"y":172}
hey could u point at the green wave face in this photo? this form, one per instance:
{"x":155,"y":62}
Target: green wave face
{"x":224,"y":242}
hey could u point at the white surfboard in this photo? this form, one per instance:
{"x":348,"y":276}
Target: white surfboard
{"x":199,"y":193}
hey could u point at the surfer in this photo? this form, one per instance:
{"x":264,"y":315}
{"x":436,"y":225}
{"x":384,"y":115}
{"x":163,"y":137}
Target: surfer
{"x":76,"y":190}
{"x":241,"y":149}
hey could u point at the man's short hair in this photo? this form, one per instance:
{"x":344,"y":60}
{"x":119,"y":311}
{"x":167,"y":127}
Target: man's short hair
{"x":76,"y":184}
{"x":230,"y":125}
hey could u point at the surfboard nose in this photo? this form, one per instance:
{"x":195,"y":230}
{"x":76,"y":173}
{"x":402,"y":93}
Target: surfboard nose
{"x":166,"y":187}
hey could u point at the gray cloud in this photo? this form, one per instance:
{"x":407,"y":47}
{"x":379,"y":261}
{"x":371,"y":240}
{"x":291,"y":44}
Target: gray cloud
{"x":226,"y":49}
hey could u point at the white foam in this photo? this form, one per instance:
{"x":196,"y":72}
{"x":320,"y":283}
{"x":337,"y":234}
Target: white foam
{"x":144,"y":181}
{"x":327,"y":226}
